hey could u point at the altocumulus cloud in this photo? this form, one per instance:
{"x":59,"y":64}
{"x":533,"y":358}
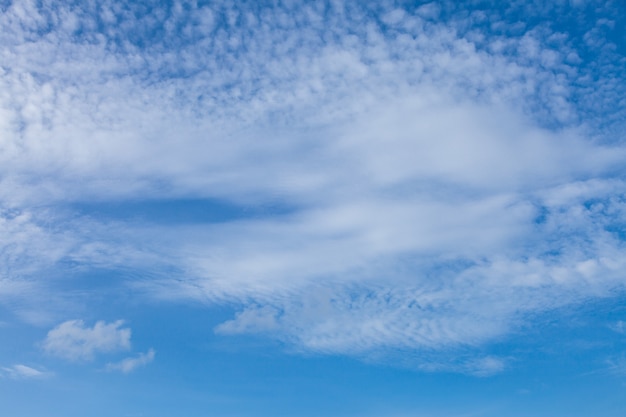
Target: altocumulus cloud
{"x":74,"y":341}
{"x":439,"y":176}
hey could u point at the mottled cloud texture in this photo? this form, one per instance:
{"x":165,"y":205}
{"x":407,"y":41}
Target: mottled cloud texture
{"x":398,"y":176}
{"x":74,"y":341}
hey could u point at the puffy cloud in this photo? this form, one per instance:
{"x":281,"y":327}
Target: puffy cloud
{"x":479,"y":366}
{"x":74,"y":341}
{"x":251,"y":320}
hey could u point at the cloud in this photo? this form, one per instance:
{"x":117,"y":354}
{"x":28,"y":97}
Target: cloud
{"x":618,"y":327}
{"x":251,"y":320}
{"x":486,"y":366}
{"x":74,"y":341}
{"x":617,"y":365}
{"x":130,"y":364}
{"x":478,"y":366}
{"x":431,"y":183}
{"x":20,"y":371}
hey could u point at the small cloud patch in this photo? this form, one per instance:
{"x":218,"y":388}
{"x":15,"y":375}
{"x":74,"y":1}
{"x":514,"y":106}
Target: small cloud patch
{"x":74,"y":341}
{"x":130,"y":364}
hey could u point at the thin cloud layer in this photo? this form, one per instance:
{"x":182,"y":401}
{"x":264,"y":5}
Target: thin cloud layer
{"x":20,"y":371}
{"x":433,"y":183}
{"x":130,"y":364}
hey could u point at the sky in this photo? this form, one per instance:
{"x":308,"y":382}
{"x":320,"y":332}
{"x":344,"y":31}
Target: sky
{"x":307,"y":208}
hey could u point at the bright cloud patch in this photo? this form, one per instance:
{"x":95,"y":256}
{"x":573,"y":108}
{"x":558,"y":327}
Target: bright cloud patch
{"x":74,"y":341}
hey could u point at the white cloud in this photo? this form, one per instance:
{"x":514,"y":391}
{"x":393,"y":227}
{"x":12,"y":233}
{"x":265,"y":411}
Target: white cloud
{"x":74,"y":341}
{"x":440,"y":182}
{"x":19,"y":371}
{"x":130,"y":364}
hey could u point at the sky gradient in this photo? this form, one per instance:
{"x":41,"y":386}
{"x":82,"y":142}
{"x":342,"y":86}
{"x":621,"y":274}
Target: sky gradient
{"x":305,"y":208}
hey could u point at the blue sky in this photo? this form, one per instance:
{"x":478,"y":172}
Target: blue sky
{"x":299,"y":208}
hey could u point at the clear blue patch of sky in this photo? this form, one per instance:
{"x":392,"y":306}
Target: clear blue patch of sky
{"x":197,"y":373}
{"x":178,"y":211}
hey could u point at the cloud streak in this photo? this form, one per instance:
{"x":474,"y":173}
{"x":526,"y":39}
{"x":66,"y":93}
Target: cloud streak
{"x":130,"y":364}
{"x":20,"y":371}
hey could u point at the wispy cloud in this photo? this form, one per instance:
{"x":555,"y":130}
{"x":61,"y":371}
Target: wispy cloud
{"x":20,"y":371}
{"x":619,"y":326}
{"x":130,"y":364}
{"x":74,"y":341}
{"x":478,"y":366}
{"x":617,"y":365}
